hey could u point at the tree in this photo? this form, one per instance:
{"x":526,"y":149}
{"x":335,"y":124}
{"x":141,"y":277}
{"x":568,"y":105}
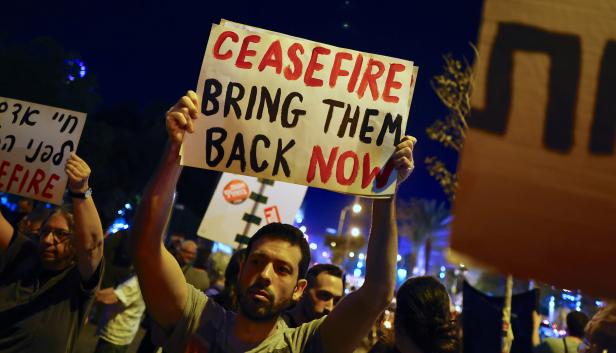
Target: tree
{"x":453,"y":88}
{"x":421,"y":221}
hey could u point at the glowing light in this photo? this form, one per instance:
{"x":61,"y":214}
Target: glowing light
{"x":351,"y":254}
{"x":330,"y":230}
{"x":220,"y":247}
{"x":356,"y":208}
{"x":121,"y":212}
{"x":399,"y":257}
{"x":355,"y":231}
{"x":117,"y":225}
{"x":362,"y":256}
{"x":333,"y":244}
{"x":313,"y":246}
{"x":441,"y":275}
{"x":443,"y":268}
{"x":401,"y":273}
{"x":325,"y":254}
{"x":128,"y":206}
{"x":345,"y":25}
{"x":357,"y":272}
{"x":387,"y":325}
{"x":76,"y":69}
{"x":360,"y":264}
{"x":303,"y":229}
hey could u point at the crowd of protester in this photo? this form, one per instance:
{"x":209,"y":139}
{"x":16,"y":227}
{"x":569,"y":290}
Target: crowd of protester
{"x":58,"y":270}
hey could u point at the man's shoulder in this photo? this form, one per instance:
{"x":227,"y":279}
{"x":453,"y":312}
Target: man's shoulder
{"x":303,"y":336}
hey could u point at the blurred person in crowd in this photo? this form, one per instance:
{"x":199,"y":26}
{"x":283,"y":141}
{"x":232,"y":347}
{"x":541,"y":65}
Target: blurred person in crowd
{"x":31,"y":224}
{"x":600,"y":331}
{"x":123,"y":312}
{"x":47,"y":287}
{"x":324,"y":289}
{"x":423,"y":321}
{"x":216,"y":265}
{"x":227,"y":298}
{"x":576,"y":322}
{"x":186,"y":256}
{"x":271,"y":277}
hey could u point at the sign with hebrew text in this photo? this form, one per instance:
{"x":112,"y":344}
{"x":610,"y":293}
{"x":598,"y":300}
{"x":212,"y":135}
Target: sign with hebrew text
{"x":35,"y":143}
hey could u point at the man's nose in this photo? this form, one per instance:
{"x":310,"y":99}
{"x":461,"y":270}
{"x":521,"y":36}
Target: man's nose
{"x":267,"y":272}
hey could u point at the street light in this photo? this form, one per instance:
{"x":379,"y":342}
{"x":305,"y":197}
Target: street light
{"x":356,"y":208}
{"x":355,"y":231}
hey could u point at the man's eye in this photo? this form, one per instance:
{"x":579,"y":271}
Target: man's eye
{"x":324,"y":295}
{"x":284,"y":269}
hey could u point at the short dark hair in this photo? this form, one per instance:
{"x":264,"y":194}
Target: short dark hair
{"x":288,"y":233}
{"x":576,"y":322}
{"x":317,"y":269}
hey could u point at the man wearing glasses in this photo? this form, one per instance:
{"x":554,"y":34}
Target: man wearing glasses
{"x":47,"y":284}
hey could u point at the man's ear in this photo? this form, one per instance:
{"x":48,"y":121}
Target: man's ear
{"x":299,"y":289}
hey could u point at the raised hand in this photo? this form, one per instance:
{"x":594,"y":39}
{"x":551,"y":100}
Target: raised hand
{"x":78,"y":173}
{"x":180,"y":117}
{"x":403,"y":158}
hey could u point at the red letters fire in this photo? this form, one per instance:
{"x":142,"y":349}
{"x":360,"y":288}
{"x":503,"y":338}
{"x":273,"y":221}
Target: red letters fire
{"x":362,"y":74}
{"x":16,"y":178}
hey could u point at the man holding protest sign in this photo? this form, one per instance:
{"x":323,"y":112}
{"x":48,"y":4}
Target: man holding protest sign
{"x":271,"y":277}
{"x":46,"y":289}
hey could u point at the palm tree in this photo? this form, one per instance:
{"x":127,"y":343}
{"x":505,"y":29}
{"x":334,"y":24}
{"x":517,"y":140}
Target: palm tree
{"x":423,"y":222}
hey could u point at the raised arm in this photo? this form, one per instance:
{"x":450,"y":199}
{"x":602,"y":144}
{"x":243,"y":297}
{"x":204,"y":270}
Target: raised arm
{"x":88,"y":228}
{"x":6,"y":232}
{"x":161,"y":280}
{"x":353,"y":317}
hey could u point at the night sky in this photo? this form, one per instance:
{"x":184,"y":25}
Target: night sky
{"x":144,"y":51}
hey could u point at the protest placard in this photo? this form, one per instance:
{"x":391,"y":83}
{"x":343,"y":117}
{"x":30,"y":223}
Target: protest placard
{"x":537,"y":193}
{"x":242,"y":204}
{"x":284,"y":108}
{"x":35,"y":142}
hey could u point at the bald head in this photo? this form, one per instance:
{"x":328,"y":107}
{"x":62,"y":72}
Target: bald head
{"x":188,"y":252}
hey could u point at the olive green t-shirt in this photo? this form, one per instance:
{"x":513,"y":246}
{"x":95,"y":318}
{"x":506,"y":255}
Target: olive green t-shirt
{"x":208,"y":327}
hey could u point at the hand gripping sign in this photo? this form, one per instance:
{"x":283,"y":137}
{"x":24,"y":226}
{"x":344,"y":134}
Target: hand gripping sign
{"x":289,"y":109}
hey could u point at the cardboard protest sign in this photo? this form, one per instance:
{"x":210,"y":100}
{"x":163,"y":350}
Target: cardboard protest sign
{"x":293,"y":110}
{"x":537,"y":193}
{"x":242,"y":204}
{"x":35,"y":142}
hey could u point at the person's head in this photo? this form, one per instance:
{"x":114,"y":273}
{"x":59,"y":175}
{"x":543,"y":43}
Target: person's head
{"x":601,"y":331}
{"x":423,"y":316}
{"x":576,"y":322}
{"x":272,"y":275}
{"x":56,"y":240}
{"x":325,"y":287}
{"x":187,"y":253}
{"x":216,"y":265}
{"x":33,"y":222}
{"x":24,"y":205}
{"x":175,"y":241}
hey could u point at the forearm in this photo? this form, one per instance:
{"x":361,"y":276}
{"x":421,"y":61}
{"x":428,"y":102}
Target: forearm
{"x":160,"y":277}
{"x":376,"y":292}
{"x":152,"y":215}
{"x":6,"y":232}
{"x":382,"y":250}
{"x":88,"y":236}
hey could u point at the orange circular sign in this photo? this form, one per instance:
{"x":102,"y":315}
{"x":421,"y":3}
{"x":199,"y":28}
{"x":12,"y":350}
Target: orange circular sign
{"x":236,"y":191}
